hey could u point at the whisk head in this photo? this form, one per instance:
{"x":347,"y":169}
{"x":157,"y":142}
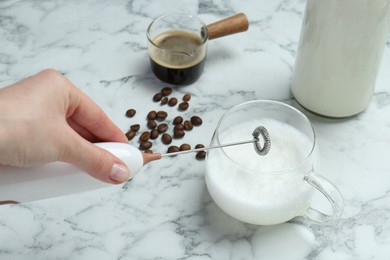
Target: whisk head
{"x":267,"y":140}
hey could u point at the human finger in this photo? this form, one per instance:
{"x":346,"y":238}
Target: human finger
{"x":94,"y":160}
{"x":87,"y":114}
{"x":82,"y":131}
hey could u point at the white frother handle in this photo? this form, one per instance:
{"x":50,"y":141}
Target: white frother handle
{"x":58,"y":179}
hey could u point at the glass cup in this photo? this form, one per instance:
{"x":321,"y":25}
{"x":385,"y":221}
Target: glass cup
{"x":177,"y":48}
{"x":276,"y":187}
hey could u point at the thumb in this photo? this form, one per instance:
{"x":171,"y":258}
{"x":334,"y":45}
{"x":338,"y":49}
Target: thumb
{"x":96,"y":161}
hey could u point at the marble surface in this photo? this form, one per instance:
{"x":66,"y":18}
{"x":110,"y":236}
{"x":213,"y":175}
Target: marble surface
{"x":166,"y":211}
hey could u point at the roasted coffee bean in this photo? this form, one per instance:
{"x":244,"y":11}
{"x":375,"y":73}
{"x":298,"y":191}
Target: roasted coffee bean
{"x":130,"y":134}
{"x":145,"y":145}
{"x":196,"y":120}
{"x":166,"y":91}
{"x":199,"y":146}
{"x":162,"y":128}
{"x":178,"y":134}
{"x":164,"y":100}
{"x":144,"y":137}
{"x":186,"y":97}
{"x":185,"y":147}
{"x":152,"y":115}
{"x":177,"y":120}
{"x":130,"y":113}
{"x":200,"y":155}
{"x":151,"y":124}
{"x":154,"y":134}
{"x":148,"y":151}
{"x":157,"y":97}
{"x":161,"y":115}
{"x":173,"y":149}
{"x":183,"y":106}
{"x":135,"y":127}
{"x":187,"y":125}
{"x":172,"y":102}
{"x":166,"y":138}
{"x":178,"y":127}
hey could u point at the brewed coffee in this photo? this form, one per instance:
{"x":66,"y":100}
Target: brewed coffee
{"x":177,"y":57}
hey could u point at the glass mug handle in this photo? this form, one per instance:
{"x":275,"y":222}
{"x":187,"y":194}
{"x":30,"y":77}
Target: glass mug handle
{"x":331,"y":193}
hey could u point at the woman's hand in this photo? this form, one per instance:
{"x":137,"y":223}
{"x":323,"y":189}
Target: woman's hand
{"x":45,"y":118}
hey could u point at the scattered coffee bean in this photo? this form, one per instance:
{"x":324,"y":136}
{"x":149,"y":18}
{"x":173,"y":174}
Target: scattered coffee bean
{"x":185,"y":147}
{"x":173,"y":149}
{"x":177,"y":120}
{"x":130,"y":134}
{"x":200,"y":155}
{"x":164,"y":100}
{"x":151,"y":124}
{"x":166,"y":91}
{"x":157,"y":97}
{"x":172,"y":102}
{"x":178,"y":134}
{"x":130,"y":113}
{"x":196,"y":120}
{"x":178,"y":127}
{"x":183,"y":106}
{"x":166,"y":138}
{"x":135,"y":127}
{"x":152,"y":115}
{"x":186,"y":97}
{"x":199,"y":146}
{"x":161,"y":115}
{"x":162,"y":128}
{"x":144,"y":137}
{"x":145,"y":145}
{"x":187,"y":125}
{"x":156,"y":129}
{"x":154,"y":134}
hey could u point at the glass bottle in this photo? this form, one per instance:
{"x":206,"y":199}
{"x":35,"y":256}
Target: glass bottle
{"x":339,"y":55}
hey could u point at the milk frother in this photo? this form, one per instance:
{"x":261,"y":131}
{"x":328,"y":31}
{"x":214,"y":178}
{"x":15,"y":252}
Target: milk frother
{"x":59,"y":179}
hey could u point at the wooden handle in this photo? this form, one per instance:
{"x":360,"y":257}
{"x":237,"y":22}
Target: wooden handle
{"x":234,"y":24}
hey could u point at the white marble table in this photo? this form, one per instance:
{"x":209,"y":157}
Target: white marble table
{"x":166,"y":211}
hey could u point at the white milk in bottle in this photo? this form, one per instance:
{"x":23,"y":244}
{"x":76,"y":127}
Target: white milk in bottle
{"x":339,"y":55}
{"x":258,"y":189}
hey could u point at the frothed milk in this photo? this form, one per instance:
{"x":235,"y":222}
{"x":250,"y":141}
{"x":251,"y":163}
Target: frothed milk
{"x":258,"y":189}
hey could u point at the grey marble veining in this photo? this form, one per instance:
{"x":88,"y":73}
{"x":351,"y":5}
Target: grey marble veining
{"x":165,"y":212}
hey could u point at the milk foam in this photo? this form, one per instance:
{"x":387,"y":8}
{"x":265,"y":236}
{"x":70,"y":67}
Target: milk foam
{"x":289,"y":147}
{"x":250,"y":184}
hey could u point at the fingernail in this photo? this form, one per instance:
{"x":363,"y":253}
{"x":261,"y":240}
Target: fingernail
{"x":119,"y":173}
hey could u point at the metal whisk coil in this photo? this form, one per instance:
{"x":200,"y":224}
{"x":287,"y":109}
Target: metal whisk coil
{"x":267,"y":141}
